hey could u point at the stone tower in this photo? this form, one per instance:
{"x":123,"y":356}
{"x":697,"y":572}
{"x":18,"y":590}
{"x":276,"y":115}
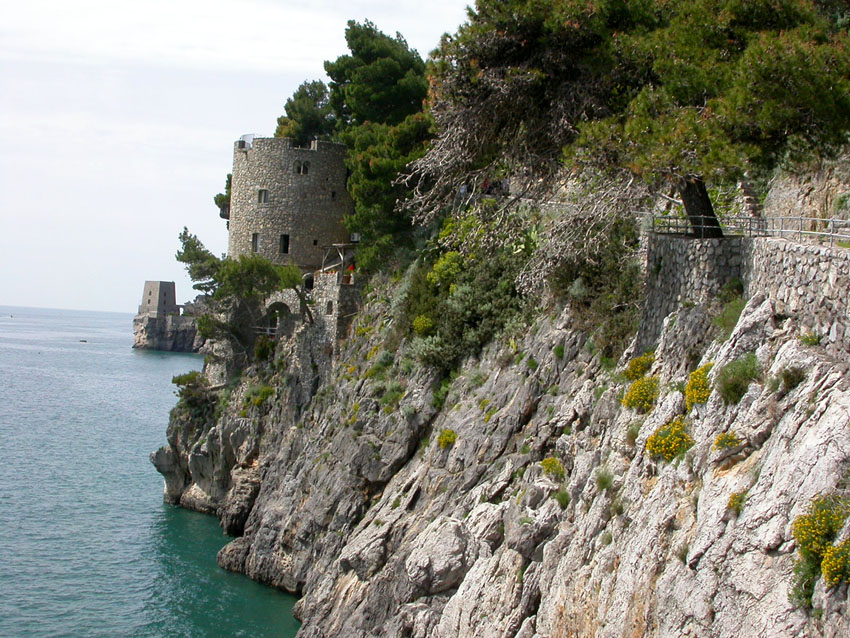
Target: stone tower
{"x":159,"y":299}
{"x":286,"y":202}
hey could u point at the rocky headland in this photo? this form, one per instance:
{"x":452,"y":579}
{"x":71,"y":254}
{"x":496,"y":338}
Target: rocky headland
{"x":538,"y":491}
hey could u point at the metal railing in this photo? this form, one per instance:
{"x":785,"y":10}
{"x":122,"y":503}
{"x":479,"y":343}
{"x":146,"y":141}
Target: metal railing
{"x":800,"y":229}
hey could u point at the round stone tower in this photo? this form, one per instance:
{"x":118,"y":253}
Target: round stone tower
{"x":286,"y":202}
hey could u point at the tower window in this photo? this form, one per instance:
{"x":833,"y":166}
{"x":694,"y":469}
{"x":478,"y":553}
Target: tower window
{"x":284,"y":244}
{"x":296,"y":168}
{"x":315,"y":242}
{"x":333,"y":194}
{"x":305,"y":168}
{"x":255,"y":242}
{"x":329,"y":309}
{"x":262,"y":196}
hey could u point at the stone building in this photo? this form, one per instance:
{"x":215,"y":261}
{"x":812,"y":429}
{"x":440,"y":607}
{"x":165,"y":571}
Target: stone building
{"x":287,"y":202}
{"x":159,"y":299}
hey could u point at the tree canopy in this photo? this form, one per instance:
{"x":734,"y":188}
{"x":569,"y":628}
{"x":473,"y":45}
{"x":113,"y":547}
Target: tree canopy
{"x":381,"y":80}
{"x":672,"y":93}
{"x":308,"y":114}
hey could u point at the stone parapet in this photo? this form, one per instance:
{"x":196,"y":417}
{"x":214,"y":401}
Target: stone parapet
{"x":810,"y":283}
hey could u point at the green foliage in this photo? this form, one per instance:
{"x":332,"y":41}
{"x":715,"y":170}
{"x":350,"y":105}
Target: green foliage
{"x":642,"y":394}
{"x":814,"y":532}
{"x":633,"y":432}
{"x":422,"y":325}
{"x":734,"y":379}
{"x":609,"y":309}
{"x":698,"y":388}
{"x":308,"y":115}
{"x":736,"y":502}
{"x":670,"y":441}
{"x":663,"y":90}
{"x":729,"y":315}
{"x":248,"y":276}
{"x":201,"y":264}
{"x":836,"y":563}
{"x":442,"y":391}
{"x":559,"y":351}
{"x":531,"y":363}
{"x":810,"y":339}
{"x":258,"y":395}
{"x":447,"y":438}
{"x":791,"y":378}
{"x":562,"y":496}
{"x":553,"y":467}
{"x":604,"y":479}
{"x":726,"y":441}
{"x":392,"y":396}
{"x":263,"y":348}
{"x":639,"y":366}
{"x":222,"y":200}
{"x":194,"y":395}
{"x":468,"y":300}
{"x":446,"y":269}
{"x":380,"y":80}
{"x":378,"y":153}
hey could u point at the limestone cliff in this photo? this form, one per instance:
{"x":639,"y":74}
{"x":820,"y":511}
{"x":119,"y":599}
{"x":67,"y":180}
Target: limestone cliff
{"x":172,"y":333}
{"x":344,"y":485}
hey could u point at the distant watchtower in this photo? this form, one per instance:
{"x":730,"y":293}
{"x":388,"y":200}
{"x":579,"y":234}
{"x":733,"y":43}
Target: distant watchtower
{"x":159,"y":299}
{"x":286,"y":202}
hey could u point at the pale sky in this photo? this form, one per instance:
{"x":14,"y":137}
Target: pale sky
{"x":118,"y":117}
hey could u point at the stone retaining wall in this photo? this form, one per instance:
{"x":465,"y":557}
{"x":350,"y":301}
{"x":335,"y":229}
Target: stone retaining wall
{"x":810,"y":283}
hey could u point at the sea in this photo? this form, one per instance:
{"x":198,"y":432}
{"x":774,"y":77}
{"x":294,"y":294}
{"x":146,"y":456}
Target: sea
{"x":87,"y":546}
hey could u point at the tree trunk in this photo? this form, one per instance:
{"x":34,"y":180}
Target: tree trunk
{"x":698,"y":208}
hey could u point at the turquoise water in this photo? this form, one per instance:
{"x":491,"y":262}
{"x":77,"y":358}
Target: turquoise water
{"x":87,"y":547}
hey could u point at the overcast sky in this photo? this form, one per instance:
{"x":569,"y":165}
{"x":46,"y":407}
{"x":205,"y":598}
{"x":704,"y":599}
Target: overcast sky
{"x":118,"y":117}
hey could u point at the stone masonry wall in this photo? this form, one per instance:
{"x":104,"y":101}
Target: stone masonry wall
{"x":810,"y":283}
{"x":308,"y":207}
{"x":682,"y":269}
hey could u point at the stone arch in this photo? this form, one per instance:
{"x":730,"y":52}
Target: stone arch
{"x":280,"y":318}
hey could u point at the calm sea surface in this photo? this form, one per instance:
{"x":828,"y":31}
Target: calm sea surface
{"x":87,"y":547}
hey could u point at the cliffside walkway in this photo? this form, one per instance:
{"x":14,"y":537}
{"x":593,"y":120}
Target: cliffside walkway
{"x":800,"y":229}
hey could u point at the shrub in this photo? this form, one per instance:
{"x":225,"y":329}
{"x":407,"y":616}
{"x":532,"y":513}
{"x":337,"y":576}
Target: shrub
{"x":729,"y":315}
{"x":670,"y":440}
{"x":604,"y":479}
{"x":734,"y":379}
{"x":698,"y":388}
{"x":263,"y":348}
{"x":559,"y":351}
{"x":257,"y":395}
{"x":633,"y":432}
{"x":446,"y":438}
{"x":736,"y":502}
{"x":563,"y":498}
{"x":791,"y":378}
{"x":642,"y":394}
{"x":836,"y":563}
{"x":553,"y":467}
{"x":639,"y":366}
{"x":422,"y":325}
{"x":531,"y":363}
{"x":726,"y":440}
{"x":815,"y":531}
{"x":810,"y":339}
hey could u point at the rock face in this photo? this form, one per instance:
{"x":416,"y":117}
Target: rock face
{"x":342,"y":492}
{"x":171,"y":333}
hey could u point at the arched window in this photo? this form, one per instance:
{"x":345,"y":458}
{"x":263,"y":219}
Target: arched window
{"x":297,"y":168}
{"x":305,"y":167}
